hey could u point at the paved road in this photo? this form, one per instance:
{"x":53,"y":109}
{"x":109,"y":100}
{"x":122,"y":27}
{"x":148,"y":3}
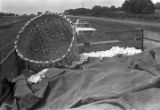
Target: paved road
{"x":135,"y":22}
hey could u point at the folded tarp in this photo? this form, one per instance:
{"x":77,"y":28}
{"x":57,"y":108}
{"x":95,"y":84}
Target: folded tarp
{"x":118,"y":83}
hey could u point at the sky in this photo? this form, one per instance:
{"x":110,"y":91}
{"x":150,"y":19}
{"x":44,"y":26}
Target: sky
{"x":33,"y":6}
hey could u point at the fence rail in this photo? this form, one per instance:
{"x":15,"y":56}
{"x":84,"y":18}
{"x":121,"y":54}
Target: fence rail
{"x":127,"y":38}
{"x":152,"y":40}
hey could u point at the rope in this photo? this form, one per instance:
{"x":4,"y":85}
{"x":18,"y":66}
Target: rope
{"x":7,"y":56}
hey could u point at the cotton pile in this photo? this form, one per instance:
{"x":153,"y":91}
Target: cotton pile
{"x":112,"y":52}
{"x":37,"y":77}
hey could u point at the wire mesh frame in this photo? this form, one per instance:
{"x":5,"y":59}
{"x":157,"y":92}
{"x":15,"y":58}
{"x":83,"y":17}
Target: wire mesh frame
{"x":72,"y":52}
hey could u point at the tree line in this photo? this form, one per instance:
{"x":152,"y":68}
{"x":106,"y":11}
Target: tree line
{"x":96,"y":10}
{"x":129,"y":6}
{"x":157,"y":6}
{"x":7,"y":14}
{"x":13,"y":14}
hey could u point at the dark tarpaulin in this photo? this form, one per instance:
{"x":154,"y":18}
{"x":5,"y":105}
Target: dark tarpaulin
{"x":118,"y":83}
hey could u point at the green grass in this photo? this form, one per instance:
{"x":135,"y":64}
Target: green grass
{"x":104,"y":26}
{"x":8,"y":35}
{"x":157,"y":12}
{"x":4,"y":20}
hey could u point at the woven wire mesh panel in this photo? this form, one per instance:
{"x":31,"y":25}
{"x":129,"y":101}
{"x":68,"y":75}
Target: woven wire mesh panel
{"x":47,"y":40}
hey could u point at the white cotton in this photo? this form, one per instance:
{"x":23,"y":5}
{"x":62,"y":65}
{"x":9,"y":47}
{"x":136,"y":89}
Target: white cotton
{"x":111,"y":53}
{"x":34,"y":78}
{"x":42,"y":72}
{"x":37,"y":77}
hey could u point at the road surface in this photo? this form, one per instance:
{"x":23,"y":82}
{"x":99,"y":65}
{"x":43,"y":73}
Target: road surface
{"x":133,"y":22}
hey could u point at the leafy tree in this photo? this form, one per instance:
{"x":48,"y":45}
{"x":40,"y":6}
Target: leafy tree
{"x":138,"y":6}
{"x":113,"y":8}
{"x":39,"y":13}
{"x":157,"y":6}
{"x":97,"y":10}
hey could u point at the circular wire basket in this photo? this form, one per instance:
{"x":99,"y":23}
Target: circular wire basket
{"x":47,"y":40}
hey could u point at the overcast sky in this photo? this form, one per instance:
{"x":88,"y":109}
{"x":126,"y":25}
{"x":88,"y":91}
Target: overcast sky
{"x":32,"y":6}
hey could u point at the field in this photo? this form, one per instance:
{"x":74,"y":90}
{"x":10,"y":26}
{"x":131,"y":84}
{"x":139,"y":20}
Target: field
{"x":9,"y":27}
{"x":151,"y":29}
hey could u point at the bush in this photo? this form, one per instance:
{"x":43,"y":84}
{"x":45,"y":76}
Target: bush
{"x":157,"y":6}
{"x":138,"y":6}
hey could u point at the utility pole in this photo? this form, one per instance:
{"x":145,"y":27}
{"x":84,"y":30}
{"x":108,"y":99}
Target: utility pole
{"x":83,"y":4}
